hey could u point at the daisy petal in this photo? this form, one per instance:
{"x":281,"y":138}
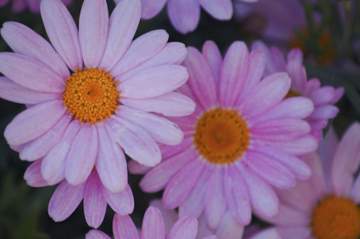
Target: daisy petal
{"x":94,"y":234}
{"x":213,"y":56}
{"x":219,"y":9}
{"x":184,"y":228}
{"x":93,"y":31}
{"x":153,"y":224}
{"x":184,"y":15}
{"x":33,"y":175}
{"x":229,"y":228}
{"x":35,"y":121}
{"x":62,"y":32}
{"x":122,"y":202}
{"x":124,"y":227}
{"x":150,"y":8}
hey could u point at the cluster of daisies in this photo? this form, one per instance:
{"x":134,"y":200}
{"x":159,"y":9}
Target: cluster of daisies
{"x":226,"y":137}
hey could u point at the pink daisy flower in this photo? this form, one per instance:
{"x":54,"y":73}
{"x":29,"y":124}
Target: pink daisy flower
{"x":66,"y":198}
{"x":185,"y":14}
{"x":21,"y":5}
{"x":154,"y":227}
{"x":243,"y":139}
{"x":93,"y":98}
{"x":327,"y":205}
{"x":324,"y":98}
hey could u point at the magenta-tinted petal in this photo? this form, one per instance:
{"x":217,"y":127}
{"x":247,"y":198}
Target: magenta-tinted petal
{"x":150,"y":8}
{"x":233,"y":74}
{"x":172,"y":53}
{"x":158,"y":177}
{"x":171,"y":104}
{"x":153,"y":224}
{"x":229,"y":228}
{"x":325,"y":112}
{"x":219,"y":9}
{"x":33,"y":122}
{"x":42,"y":145}
{"x":82,"y":155}
{"x":213,"y":56}
{"x":94,"y":201}
{"x":136,"y":142}
{"x":137,"y":168}
{"x":288,"y":216}
{"x":23,"y":40}
{"x":124,"y":227}
{"x":93,"y":31}
{"x":33,"y":175}
{"x":299,"y":232}
{"x":263,"y":198}
{"x":201,"y":80}
{"x":94,"y":234}
{"x":184,"y":228}
{"x":53,"y":165}
{"x":62,"y":32}
{"x":181,"y":185}
{"x":152,"y":82}
{"x":161,"y":129}
{"x":122,"y":202}
{"x":123,"y":24}
{"x":64,"y":201}
{"x":184,"y":15}
{"x":16,"y":93}
{"x":142,"y":49}
{"x":111,"y":163}
{"x":30,"y":73}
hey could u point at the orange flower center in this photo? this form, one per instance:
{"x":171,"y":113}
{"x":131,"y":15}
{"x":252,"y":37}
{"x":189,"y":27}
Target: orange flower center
{"x":91,"y":95}
{"x":292,"y":93}
{"x":336,"y":218}
{"x":222,"y":136}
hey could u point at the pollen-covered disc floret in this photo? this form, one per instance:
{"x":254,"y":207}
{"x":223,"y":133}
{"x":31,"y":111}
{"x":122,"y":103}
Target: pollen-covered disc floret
{"x":222,"y":136}
{"x":91,"y":95}
{"x":336,"y":218}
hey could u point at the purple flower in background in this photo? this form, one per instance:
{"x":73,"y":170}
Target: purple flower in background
{"x":21,"y":5}
{"x":185,"y":14}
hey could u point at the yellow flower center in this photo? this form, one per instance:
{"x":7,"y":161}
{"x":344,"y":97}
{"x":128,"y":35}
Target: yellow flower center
{"x":336,"y":218}
{"x":91,"y":95}
{"x":221,"y":136}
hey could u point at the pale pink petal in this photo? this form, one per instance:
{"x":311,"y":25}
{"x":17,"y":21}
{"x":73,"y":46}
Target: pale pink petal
{"x":181,"y":185}
{"x":30,"y":73}
{"x":325,"y":112}
{"x":53,"y":165}
{"x":201,"y":79}
{"x":233,"y":74}
{"x":229,"y":228}
{"x":327,"y":150}
{"x":111,"y":163}
{"x":269,"y":92}
{"x":142,"y":49}
{"x":195,"y":203}
{"x":150,"y":8}
{"x":161,"y":129}
{"x":288,"y":216}
{"x":355,"y":191}
{"x":295,"y":232}
{"x":82,"y":155}
{"x":215,"y":204}
{"x":62,"y":32}
{"x":23,"y":40}
{"x":153,"y":224}
{"x":42,"y":145}
{"x":152,"y":82}
{"x":94,"y":201}
{"x":122,"y":202}
{"x":64,"y":201}
{"x":346,"y":160}
{"x":93,"y":31}
{"x":323,"y":95}
{"x":16,"y":93}
{"x":219,"y":9}
{"x":263,"y":199}
{"x":94,"y":234}
{"x":157,"y":178}
{"x":33,"y":175}
{"x":170,"y":216}
{"x":184,"y":15}
{"x":184,"y":228}
{"x":124,"y":21}
{"x":171,"y":104}
{"x":136,"y":142}
{"x":271,"y":233}
{"x":33,"y":122}
{"x":172,"y":53}
{"x":137,"y":168}
{"x":124,"y":228}
{"x":213,"y":56}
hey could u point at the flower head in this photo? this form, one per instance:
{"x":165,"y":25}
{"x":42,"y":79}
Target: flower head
{"x":324,"y":98}
{"x":243,"y":139}
{"x":327,"y":205}
{"x":95,"y":96}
